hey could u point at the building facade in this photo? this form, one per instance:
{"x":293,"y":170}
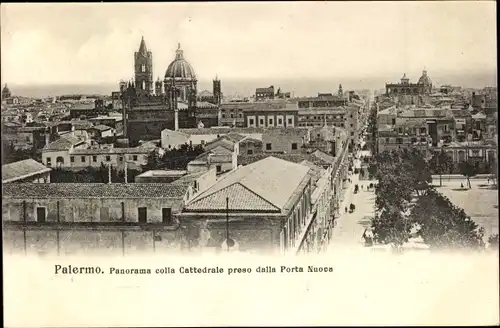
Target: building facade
{"x":422,"y":87}
{"x":262,"y":217}
{"x":169,"y":104}
{"x":71,"y":218}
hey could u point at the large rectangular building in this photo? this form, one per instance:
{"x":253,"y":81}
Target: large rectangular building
{"x":74,"y":217}
{"x":267,"y":204}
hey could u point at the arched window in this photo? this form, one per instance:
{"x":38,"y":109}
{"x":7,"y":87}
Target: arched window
{"x":143,"y":68}
{"x":59,"y":161}
{"x":143,"y":85}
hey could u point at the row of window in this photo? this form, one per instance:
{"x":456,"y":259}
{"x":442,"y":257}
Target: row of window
{"x":341,"y":125}
{"x":60,"y":159}
{"x":270,"y":121}
{"x":142,"y":214}
{"x":269,"y":146}
{"x":329,"y":117}
{"x":232,"y":115}
{"x":400,"y":140}
{"x":401,"y":130}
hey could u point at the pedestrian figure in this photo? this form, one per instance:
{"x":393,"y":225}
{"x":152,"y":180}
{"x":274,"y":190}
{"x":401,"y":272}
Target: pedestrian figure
{"x":346,"y":209}
{"x":461,"y":184}
{"x":368,"y":237}
{"x":362,"y":187}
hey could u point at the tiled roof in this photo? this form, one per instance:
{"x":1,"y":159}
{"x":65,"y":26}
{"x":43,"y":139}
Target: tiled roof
{"x":233,"y":136}
{"x":98,"y":151}
{"x":25,"y":168}
{"x":220,"y":130}
{"x":253,"y":140}
{"x":93,"y":190}
{"x":301,"y":132}
{"x":324,"y":157}
{"x":266,"y":185}
{"x":240,"y":199}
{"x":189,"y":178}
{"x":314,"y":170}
{"x":220,"y":142}
{"x":294,"y":158}
{"x":63,"y":143}
{"x":214,"y":151}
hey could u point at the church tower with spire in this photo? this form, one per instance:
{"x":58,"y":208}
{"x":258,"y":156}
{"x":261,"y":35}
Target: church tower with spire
{"x":217,"y":92}
{"x":143,"y":64}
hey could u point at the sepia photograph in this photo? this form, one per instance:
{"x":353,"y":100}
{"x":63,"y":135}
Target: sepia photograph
{"x":294,"y":163}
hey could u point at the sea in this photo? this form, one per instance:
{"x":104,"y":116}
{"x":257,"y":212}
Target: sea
{"x":299,"y":87}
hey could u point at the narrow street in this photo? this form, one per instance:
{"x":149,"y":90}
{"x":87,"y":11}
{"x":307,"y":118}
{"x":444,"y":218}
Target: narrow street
{"x":350,"y":226}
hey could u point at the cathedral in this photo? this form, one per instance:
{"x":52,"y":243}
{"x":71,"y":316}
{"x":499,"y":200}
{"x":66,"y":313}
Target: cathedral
{"x":422,"y":87}
{"x":151,"y":106}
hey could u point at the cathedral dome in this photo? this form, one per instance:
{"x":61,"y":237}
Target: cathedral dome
{"x":6,"y":92}
{"x":425,"y":79}
{"x":180,"y":68}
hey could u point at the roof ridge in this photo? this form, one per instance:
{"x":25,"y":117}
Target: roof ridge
{"x":259,"y":196}
{"x":236,"y":183}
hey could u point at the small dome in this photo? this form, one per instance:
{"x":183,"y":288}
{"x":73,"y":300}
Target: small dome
{"x":180,"y":68}
{"x":424,"y":79}
{"x":5,"y":89}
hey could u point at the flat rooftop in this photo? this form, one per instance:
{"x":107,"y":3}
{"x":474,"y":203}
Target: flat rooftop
{"x":163,"y":173}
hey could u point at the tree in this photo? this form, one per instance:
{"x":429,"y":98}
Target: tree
{"x":468,"y":170}
{"x":10,"y":154}
{"x":153,"y":161}
{"x":493,"y":241}
{"x":441,"y":163}
{"x":391,"y":227}
{"x":394,"y":191}
{"x":372,"y":170}
{"x":443,"y":225}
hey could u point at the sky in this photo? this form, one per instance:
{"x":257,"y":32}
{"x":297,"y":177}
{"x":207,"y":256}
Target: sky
{"x":95,"y":43}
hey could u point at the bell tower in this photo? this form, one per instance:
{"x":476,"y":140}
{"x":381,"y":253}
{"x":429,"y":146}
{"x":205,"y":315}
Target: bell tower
{"x":159,"y":87}
{"x":217,"y":91}
{"x":143,"y":66}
